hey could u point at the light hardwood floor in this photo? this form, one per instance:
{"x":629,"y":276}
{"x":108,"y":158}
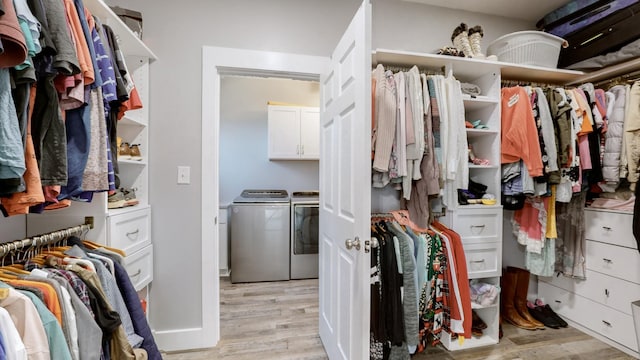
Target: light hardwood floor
{"x":279,"y":320}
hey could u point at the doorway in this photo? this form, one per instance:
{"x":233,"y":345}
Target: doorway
{"x":219,"y":62}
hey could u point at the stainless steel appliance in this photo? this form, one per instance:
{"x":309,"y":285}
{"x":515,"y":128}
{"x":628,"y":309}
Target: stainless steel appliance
{"x":304,"y":234}
{"x":260,"y":226}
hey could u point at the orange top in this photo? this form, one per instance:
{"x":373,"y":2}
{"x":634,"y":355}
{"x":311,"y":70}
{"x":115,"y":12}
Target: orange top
{"x":584,"y":110}
{"x":50,"y":295}
{"x":82,"y":49}
{"x":519,"y":131}
{"x":133,"y":103}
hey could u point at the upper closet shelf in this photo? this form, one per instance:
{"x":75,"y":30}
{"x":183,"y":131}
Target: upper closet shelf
{"x":469,"y":68}
{"x":130,"y":44}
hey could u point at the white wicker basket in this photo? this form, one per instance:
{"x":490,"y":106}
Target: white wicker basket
{"x":528,"y":48}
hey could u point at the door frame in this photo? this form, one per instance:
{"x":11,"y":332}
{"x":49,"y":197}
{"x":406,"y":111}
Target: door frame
{"x":216,"y":62}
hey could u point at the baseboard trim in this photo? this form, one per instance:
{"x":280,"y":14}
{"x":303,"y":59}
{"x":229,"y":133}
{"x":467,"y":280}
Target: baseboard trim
{"x":183,"y":339}
{"x":602,"y":338}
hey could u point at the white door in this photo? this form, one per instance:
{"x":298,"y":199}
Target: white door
{"x":310,"y":133}
{"x":345,"y":195}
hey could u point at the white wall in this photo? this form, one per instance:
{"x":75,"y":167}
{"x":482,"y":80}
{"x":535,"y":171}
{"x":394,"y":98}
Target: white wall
{"x":176,"y":31}
{"x":243,"y":136}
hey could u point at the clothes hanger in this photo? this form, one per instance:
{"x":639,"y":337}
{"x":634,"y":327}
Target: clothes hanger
{"x":402,"y":217}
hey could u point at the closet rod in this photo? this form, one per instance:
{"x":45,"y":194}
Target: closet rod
{"x":403,"y":68}
{"x":609,"y":72}
{"x":626,"y":78}
{"x":510,"y":83}
{"x":47,"y":238}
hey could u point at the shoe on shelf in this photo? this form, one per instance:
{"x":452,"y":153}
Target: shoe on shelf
{"x":124,"y":151}
{"x":116,"y":200}
{"x":477,"y":322}
{"x":129,"y":197}
{"x":134,"y":151}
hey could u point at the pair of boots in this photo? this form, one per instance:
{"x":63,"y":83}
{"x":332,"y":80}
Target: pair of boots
{"x":468,"y":40}
{"x":515,"y":284}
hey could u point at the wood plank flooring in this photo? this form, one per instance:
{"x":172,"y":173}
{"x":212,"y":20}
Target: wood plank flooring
{"x":279,"y":320}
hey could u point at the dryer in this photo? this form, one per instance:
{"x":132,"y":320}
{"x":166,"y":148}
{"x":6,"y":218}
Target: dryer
{"x":304,"y":234}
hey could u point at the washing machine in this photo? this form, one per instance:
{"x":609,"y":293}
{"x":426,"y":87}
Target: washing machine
{"x":304,"y":234}
{"x":260,"y":224}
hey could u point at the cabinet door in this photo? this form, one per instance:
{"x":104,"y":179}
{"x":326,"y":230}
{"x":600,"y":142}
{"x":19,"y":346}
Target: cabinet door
{"x":310,"y":133}
{"x":284,"y":132}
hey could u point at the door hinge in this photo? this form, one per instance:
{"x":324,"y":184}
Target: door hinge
{"x":215,"y":220}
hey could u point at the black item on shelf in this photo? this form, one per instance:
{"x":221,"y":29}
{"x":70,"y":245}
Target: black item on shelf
{"x":477,"y":189}
{"x":603,"y":36}
{"x":513,"y":202}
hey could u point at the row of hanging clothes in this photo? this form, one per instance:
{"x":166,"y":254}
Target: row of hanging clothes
{"x":417,"y":147}
{"x":63,"y":298}
{"x":563,"y":148}
{"x":419,"y":286}
{"x":64,"y":84}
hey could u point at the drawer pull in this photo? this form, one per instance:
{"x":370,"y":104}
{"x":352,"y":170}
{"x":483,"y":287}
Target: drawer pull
{"x":607,"y":323}
{"x":136,"y":274}
{"x":608,"y":261}
{"x":131,"y":234}
{"x":559,"y":302}
{"x":606,"y":292}
{"x":478,"y":226}
{"x":607,"y":228}
{"x":476,"y":261}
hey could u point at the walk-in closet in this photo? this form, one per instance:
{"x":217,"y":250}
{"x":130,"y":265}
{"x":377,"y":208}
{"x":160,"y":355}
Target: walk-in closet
{"x":469,"y":170}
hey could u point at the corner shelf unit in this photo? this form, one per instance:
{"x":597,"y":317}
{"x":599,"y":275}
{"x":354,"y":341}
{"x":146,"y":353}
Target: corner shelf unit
{"x":480,"y":226}
{"x":125,"y":228}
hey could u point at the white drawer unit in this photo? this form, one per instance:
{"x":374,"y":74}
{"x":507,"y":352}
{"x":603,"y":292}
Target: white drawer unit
{"x":140,"y":267}
{"x":483,"y":260}
{"x":614,"y":228}
{"x":613,"y":292}
{"x":602,"y":319}
{"x":478,"y":225}
{"x":617,"y":261}
{"x":130,"y":231}
{"x":601,"y":303}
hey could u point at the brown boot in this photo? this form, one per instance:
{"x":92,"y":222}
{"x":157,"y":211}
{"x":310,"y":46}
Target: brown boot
{"x":520,"y":299}
{"x":509,"y":312}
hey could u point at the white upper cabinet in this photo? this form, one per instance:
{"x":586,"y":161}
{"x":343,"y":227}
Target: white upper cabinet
{"x":294,"y":133}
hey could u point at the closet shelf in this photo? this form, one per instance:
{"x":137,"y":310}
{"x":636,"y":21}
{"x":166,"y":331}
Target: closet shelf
{"x":127,"y":209}
{"x":127,"y":120}
{"x":475,"y":306}
{"x":472,"y":68}
{"x":454,"y":344}
{"x":129,"y":43}
{"x":478,"y":102}
{"x":472,"y":133}
{"x":474,"y":166}
{"x":132,"y":162}
{"x":479,"y":206}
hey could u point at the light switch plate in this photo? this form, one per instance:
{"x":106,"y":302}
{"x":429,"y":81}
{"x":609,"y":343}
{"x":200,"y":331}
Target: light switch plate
{"x":184,"y":175}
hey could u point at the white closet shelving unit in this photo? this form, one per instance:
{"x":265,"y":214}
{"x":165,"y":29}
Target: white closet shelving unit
{"x":127,"y":228}
{"x":480,"y":226}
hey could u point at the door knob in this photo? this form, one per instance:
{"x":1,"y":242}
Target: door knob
{"x":350,"y":244}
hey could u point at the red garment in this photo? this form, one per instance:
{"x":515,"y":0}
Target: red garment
{"x":15,"y":47}
{"x":457,"y":252}
{"x":133,"y":103}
